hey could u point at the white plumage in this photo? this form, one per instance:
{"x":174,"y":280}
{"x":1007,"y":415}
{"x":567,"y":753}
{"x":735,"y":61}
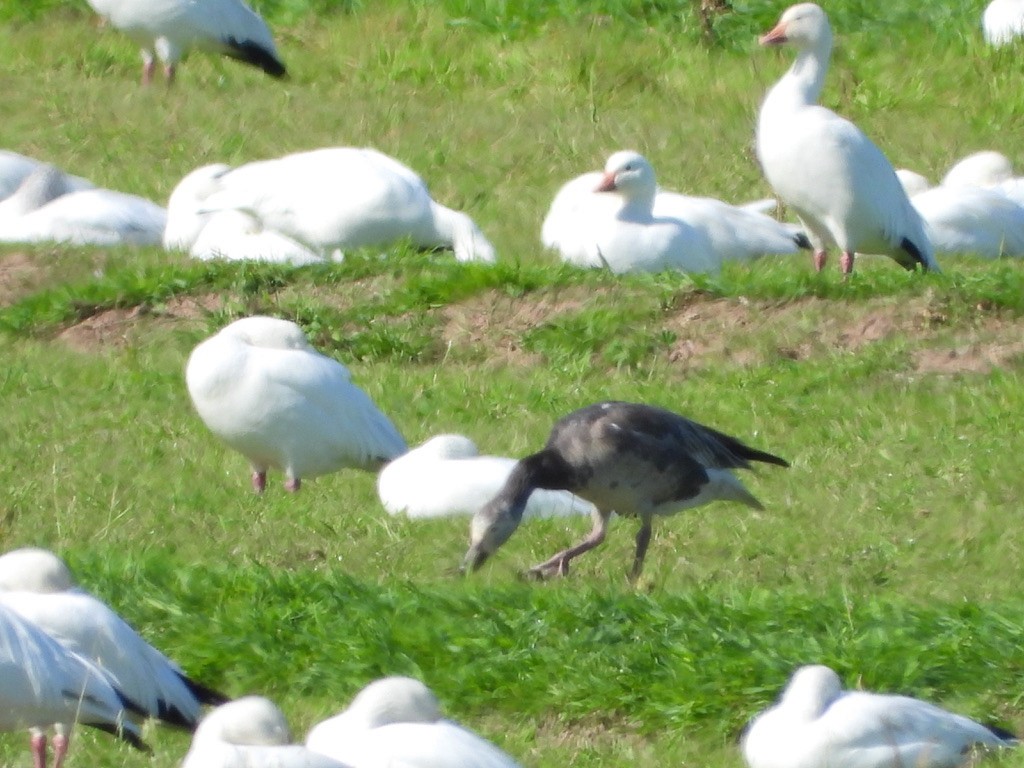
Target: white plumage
{"x":14,"y":168}
{"x":971,"y":220}
{"x":608,"y":221}
{"x":250,"y":732}
{"x":397,"y":721}
{"x":823,"y":167}
{"x":446,"y":476}
{"x":50,"y":206}
{"x":37,"y":585}
{"x":169,"y":29}
{"x":261,"y":388}
{"x":43,"y":684}
{"x":1003,"y":21}
{"x":346,"y":197}
{"x":816,"y":723}
{"x":987,"y":168}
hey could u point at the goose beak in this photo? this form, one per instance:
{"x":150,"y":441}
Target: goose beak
{"x":777,"y":36}
{"x":607,"y":183}
{"x":475,"y":557}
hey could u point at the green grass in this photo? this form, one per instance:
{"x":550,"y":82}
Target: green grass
{"x":890,"y":549}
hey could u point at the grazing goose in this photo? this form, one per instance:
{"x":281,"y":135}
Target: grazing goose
{"x":619,"y":231}
{"x":633,"y":459}
{"x":823,"y":167}
{"x":43,"y":684}
{"x":169,"y":29}
{"x":230,"y":235}
{"x":38,"y":585}
{"x":816,"y":723}
{"x":446,"y":476}
{"x":48,"y":207}
{"x":398,"y":721}
{"x":1003,"y":21}
{"x":250,"y":732}
{"x":346,"y":197}
{"x":262,"y":389}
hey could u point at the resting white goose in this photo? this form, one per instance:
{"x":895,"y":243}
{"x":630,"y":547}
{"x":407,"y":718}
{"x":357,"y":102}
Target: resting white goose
{"x":616,"y":228}
{"x":446,"y":476}
{"x":250,"y":732}
{"x":230,"y":235}
{"x":47,"y":208}
{"x":397,"y":721}
{"x":816,"y":723}
{"x":42,"y":684}
{"x":971,"y":220}
{"x":262,"y":389}
{"x":14,"y":168}
{"x":346,"y":197}
{"x":38,"y":585}
{"x":633,"y":459}
{"x":987,"y":168}
{"x":1003,"y":21}
{"x":823,"y":167}
{"x":169,"y":29}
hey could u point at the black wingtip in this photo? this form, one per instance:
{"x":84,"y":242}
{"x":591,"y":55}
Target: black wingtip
{"x":205,"y":694}
{"x":124,"y":734}
{"x":252,"y":53}
{"x":1002,"y":733}
{"x":915,"y":253}
{"x":767,"y":458}
{"x":802,"y":241}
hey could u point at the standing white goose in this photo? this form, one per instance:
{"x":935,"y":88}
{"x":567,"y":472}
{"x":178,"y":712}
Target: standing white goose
{"x":346,"y":197}
{"x":629,"y":458}
{"x":447,"y":476}
{"x":250,"y":732}
{"x":42,"y":684}
{"x":1003,"y":21}
{"x":38,"y":585}
{"x":398,"y":721}
{"x":823,"y":167}
{"x":816,"y":723}
{"x":262,"y":389}
{"x":169,"y":29}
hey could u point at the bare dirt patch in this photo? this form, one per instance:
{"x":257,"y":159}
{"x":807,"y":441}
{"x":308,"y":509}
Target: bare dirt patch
{"x":18,"y":275}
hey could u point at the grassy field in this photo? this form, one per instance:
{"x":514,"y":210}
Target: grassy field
{"x":891,"y":549}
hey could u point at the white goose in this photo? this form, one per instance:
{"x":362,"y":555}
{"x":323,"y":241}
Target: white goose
{"x":816,"y":723}
{"x":823,"y":167}
{"x":14,"y":168}
{"x":169,"y":29}
{"x":250,"y":732}
{"x":613,"y":225}
{"x":1003,"y":21}
{"x":446,"y":476}
{"x":261,"y":388}
{"x":230,"y":235}
{"x":42,"y":684}
{"x":398,"y":721}
{"x":346,"y":197}
{"x":987,"y":168}
{"x":47,"y":207}
{"x":38,"y":585}
{"x":971,"y":220}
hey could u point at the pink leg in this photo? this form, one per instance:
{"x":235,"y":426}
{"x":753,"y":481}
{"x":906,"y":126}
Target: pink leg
{"x":820,"y":257}
{"x":38,"y":743}
{"x":148,"y":67}
{"x":259,"y":481}
{"x":292,"y":484}
{"x":60,"y":749}
{"x":846,"y":263}
{"x":169,"y":71}
{"x":559,"y":564}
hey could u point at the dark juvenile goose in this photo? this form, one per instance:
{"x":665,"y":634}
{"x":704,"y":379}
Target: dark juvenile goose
{"x":634,"y":459}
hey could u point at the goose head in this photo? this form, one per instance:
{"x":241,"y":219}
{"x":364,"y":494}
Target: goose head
{"x":394,"y":700}
{"x":631,"y":175}
{"x":804,"y":26}
{"x":34,"y":570}
{"x":810,"y":691}
{"x":248,"y":721}
{"x":267,"y":333}
{"x":185,"y":220}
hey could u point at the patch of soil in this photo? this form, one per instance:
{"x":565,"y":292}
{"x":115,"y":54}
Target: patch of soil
{"x":18,"y":273}
{"x":978,"y":357}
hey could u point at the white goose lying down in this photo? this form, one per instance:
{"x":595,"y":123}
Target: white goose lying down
{"x":38,"y":585}
{"x":1003,"y":21}
{"x":169,"y":29}
{"x":50,"y":206}
{"x":230,"y":235}
{"x":816,"y":723}
{"x":397,"y":721}
{"x":446,"y":476}
{"x":714,"y":231}
{"x":822,"y":166}
{"x":250,"y":732}
{"x":262,"y":389}
{"x":15,"y":167}
{"x":345,"y":197}
{"x":42,"y":684}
